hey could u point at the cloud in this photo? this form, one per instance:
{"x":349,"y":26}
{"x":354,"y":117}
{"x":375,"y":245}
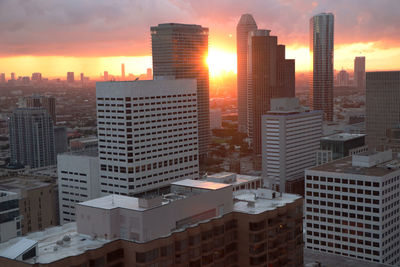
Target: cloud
{"x":122,"y":27}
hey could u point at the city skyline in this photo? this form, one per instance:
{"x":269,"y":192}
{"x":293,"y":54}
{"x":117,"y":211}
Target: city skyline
{"x":93,"y":54}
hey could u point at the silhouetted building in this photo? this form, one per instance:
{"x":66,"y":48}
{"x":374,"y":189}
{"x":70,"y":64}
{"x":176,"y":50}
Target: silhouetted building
{"x":342,"y":78}
{"x":31,"y":137}
{"x":70,"y":77}
{"x":359,"y":73}
{"x":180,"y":51}
{"x":321,"y":49}
{"x":2,"y":77}
{"x":36,"y":77}
{"x":246,"y":24}
{"x":13,"y":76}
{"x":382,"y":106}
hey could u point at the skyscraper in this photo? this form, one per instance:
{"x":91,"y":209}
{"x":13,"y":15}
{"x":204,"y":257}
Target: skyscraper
{"x":47,"y":102}
{"x":70,"y":77}
{"x":123,"y":72}
{"x":149,"y":74}
{"x":2,"y":77}
{"x":180,"y":51}
{"x":342,"y":78}
{"x":267,"y":75}
{"x":148,"y":134}
{"x":359,"y":73}
{"x":13,"y":76}
{"x":106,"y":75}
{"x":321,"y":52}
{"x":246,"y":24}
{"x":382,"y":106}
{"x":32,"y":137}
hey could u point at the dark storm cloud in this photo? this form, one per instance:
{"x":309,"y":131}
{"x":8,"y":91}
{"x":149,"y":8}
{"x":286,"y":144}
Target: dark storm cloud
{"x":121,"y":27}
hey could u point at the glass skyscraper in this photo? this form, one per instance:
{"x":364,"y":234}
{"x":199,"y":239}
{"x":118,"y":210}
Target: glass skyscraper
{"x":321,"y":52}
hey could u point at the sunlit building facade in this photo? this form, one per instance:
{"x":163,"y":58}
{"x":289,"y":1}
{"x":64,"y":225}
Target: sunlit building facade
{"x":321,"y":52}
{"x":359,"y":73}
{"x":180,"y":51}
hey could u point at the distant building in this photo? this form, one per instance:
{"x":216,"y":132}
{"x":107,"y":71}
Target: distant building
{"x":105,"y":75}
{"x":246,"y":24}
{"x":2,"y":77}
{"x":180,"y":52}
{"x":83,"y":143}
{"x":149,"y":74}
{"x":31,"y":137}
{"x":154,"y":136}
{"x":382,"y":106}
{"x":78,"y":181}
{"x":37,"y":77}
{"x":359,"y":73}
{"x":351,"y":207}
{"x":215,"y":119}
{"x":10,"y":220}
{"x":123,"y":72}
{"x":70,"y":77}
{"x":82,"y":77}
{"x":197,"y":224}
{"x":290,"y":139}
{"x":343,"y":78}
{"x":321,"y":49}
{"x":13,"y":76}
{"x":37,"y":202}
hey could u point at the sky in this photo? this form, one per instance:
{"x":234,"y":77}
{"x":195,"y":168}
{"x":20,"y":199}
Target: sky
{"x":91,"y":36}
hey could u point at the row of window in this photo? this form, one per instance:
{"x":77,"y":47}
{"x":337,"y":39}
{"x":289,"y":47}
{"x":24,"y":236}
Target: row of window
{"x":342,"y":180}
{"x":127,"y":99}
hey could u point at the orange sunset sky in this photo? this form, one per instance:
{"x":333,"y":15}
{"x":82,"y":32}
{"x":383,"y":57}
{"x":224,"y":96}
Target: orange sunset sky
{"x":54,"y":36}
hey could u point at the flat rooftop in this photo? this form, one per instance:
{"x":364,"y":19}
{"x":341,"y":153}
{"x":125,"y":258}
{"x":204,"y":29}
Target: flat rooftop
{"x":256,"y":201}
{"x":345,"y":165}
{"x":342,"y":137}
{"x":92,"y":152}
{"x":21,"y":182}
{"x":51,"y":246}
{"x":201,"y":184}
{"x":230,"y":178}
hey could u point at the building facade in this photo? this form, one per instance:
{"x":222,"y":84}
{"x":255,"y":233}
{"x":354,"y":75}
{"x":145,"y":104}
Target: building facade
{"x":180,"y":51}
{"x":290,"y":139}
{"x":359,"y":73}
{"x":351,"y":207}
{"x":31,"y":137}
{"x":78,"y":181}
{"x":321,"y":52}
{"x":244,"y":27}
{"x":382,"y":106}
{"x":49,"y":103}
{"x":148,"y":134}
{"x":10,"y":219}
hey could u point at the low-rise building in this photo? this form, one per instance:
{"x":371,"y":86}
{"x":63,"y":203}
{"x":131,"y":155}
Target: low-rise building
{"x":10,"y":219}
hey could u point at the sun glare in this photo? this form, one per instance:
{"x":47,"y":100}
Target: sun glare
{"x":220,"y":61}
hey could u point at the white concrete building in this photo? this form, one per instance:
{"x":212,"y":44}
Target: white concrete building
{"x":352,"y":207}
{"x":215,"y":118}
{"x":290,"y":139}
{"x":10,"y":219}
{"x":148,"y":134}
{"x":78,"y":181}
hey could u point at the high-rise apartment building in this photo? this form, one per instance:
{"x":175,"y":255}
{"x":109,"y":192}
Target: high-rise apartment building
{"x":47,"y":102}
{"x":267,"y":75}
{"x":180,"y":51}
{"x":352,"y":207}
{"x":2,"y":77}
{"x":148,"y":134}
{"x":359,"y":72}
{"x":246,"y":24}
{"x":31,"y":137}
{"x":382,"y":106}
{"x":321,"y":53}
{"x":290,"y":139}
{"x":70,"y":77}
{"x":78,"y":181}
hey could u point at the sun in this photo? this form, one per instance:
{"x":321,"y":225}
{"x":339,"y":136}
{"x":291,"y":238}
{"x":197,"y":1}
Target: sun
{"x":220,"y":61}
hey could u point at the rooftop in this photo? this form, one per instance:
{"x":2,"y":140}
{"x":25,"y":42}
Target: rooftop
{"x":260,"y":200}
{"x":21,"y":182}
{"x":53,"y":244}
{"x":200,"y":184}
{"x":230,"y":178}
{"x":346,"y":165}
{"x":90,"y":152}
{"x":342,"y":137}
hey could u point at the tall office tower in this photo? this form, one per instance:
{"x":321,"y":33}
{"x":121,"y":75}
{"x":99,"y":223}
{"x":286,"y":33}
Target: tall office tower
{"x":266,"y":74}
{"x":49,"y":103}
{"x":382,"y":106}
{"x":321,"y":53}
{"x":351,"y":207}
{"x":286,"y":74}
{"x":359,"y":72}
{"x":148,"y":134}
{"x":2,"y":77}
{"x":290,"y":138}
{"x":13,"y":76}
{"x":342,"y":78}
{"x":106,"y":75}
{"x":31,"y":137}
{"x":78,"y":181}
{"x":123,"y":72}
{"x":246,"y":24}
{"x":37,"y":76}
{"x":149,"y":74}
{"x":180,"y":51}
{"x":70,"y":77}
{"x":82,"y":77}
